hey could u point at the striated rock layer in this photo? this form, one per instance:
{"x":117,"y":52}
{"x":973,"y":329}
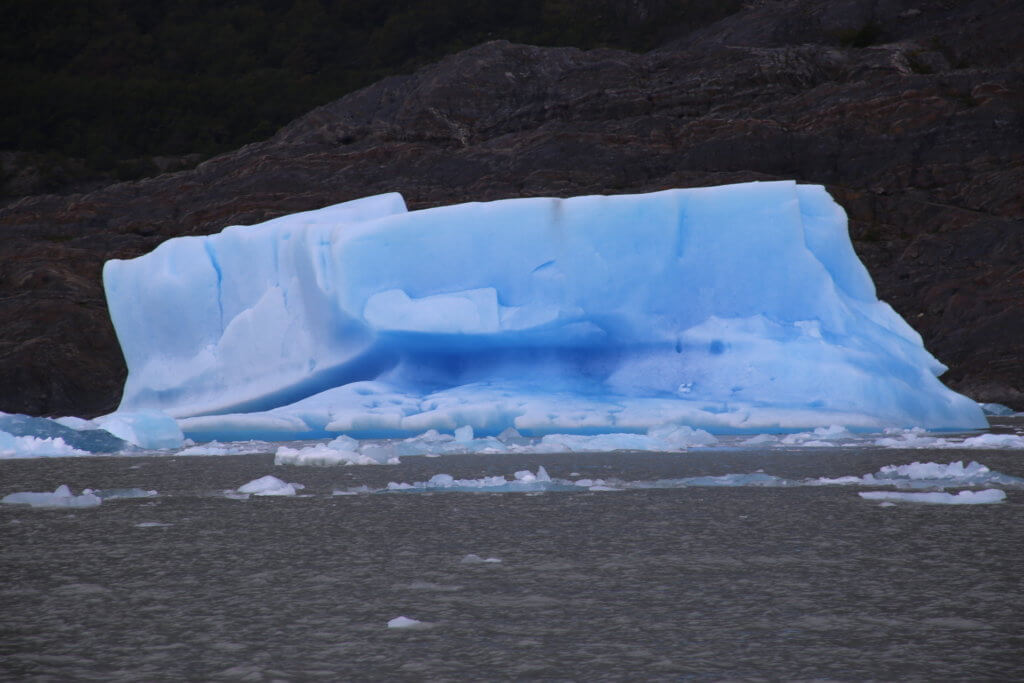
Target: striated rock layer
{"x":911,"y":116}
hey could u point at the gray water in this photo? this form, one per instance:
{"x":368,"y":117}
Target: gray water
{"x":694,"y":583}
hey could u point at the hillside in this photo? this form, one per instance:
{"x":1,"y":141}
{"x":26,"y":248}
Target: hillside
{"x":912,"y":116}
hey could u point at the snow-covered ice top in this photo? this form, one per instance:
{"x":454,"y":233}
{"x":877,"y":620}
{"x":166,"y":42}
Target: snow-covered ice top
{"x":740,"y":308}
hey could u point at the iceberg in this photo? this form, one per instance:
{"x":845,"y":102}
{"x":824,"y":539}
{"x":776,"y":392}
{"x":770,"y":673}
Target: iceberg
{"x":732,"y":309}
{"x":61,"y":497}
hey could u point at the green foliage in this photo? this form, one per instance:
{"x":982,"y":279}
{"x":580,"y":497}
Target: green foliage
{"x":113,"y":80}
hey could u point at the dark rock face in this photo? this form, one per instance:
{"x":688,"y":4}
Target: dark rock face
{"x":913,"y":118}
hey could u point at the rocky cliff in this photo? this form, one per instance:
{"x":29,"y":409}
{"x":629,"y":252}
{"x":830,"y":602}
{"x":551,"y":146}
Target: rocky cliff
{"x":911,"y":114}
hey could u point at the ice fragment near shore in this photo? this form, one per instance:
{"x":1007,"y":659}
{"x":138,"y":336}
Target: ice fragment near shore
{"x":740,"y":308}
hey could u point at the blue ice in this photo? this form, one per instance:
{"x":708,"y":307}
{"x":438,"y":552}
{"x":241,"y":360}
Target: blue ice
{"x":732,"y":309}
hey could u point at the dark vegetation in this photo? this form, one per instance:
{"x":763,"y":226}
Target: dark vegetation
{"x":101,"y":90}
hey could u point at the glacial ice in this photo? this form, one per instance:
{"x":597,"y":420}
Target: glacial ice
{"x":733,"y":309}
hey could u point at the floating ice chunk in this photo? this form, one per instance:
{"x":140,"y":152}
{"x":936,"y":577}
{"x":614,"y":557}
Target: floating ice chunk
{"x":407,"y":623}
{"x":934,"y":470}
{"x":927,"y":475}
{"x":996,"y":409}
{"x":464,"y":434}
{"x":111,"y":494}
{"x":234,"y":448}
{"x":993,"y":441}
{"x":353,"y":491}
{"x":936,"y":498}
{"x":152,"y":525}
{"x":918,"y":438}
{"x":60,"y":498}
{"x":82,"y":435}
{"x":343,"y":450}
{"x":523,"y":482}
{"x":473,"y":558}
{"x":819,"y":438}
{"x":33,"y":447}
{"x":147,"y":429}
{"x":270,"y":486}
{"x":322,"y":455}
{"x":528,"y":477}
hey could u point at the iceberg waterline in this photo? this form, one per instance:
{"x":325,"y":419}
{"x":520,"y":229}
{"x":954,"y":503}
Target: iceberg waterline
{"x":734,"y":309}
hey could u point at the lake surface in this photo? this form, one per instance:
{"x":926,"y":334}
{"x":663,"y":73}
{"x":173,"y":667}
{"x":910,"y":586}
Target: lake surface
{"x":714,"y":583}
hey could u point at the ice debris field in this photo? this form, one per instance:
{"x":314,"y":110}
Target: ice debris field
{"x":914,"y":483}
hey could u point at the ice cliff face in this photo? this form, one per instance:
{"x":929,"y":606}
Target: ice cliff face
{"x":733,"y":308}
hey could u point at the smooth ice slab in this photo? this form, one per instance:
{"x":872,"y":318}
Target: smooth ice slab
{"x":61,"y":497}
{"x":740,"y":308}
{"x":939,"y":498}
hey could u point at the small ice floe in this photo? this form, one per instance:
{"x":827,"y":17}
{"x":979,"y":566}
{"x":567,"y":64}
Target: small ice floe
{"x":928,"y":475}
{"x":269,"y":486}
{"x":353,"y":491}
{"x":822,"y":437}
{"x":473,"y":558}
{"x":595,"y":485}
{"x":919,"y":438}
{"x":938,"y":498}
{"x":524,"y":481}
{"x":35,"y":447}
{"x":407,"y":623}
{"x":996,"y":409}
{"x":61,"y":497}
{"x":218,"y":448}
{"x":111,"y":494}
{"x":151,"y":525}
{"x":343,"y":450}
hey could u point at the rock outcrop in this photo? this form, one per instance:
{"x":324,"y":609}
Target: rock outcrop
{"x":913,"y":117}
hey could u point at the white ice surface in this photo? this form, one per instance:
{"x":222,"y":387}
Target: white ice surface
{"x":734,"y":309}
{"x":269,"y":486}
{"x":61,"y":497}
{"x":406,"y":622}
{"x":938,"y":498}
{"x":34,"y":447}
{"x":473,"y":558}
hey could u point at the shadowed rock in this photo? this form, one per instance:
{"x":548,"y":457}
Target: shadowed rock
{"x":911,"y":116}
